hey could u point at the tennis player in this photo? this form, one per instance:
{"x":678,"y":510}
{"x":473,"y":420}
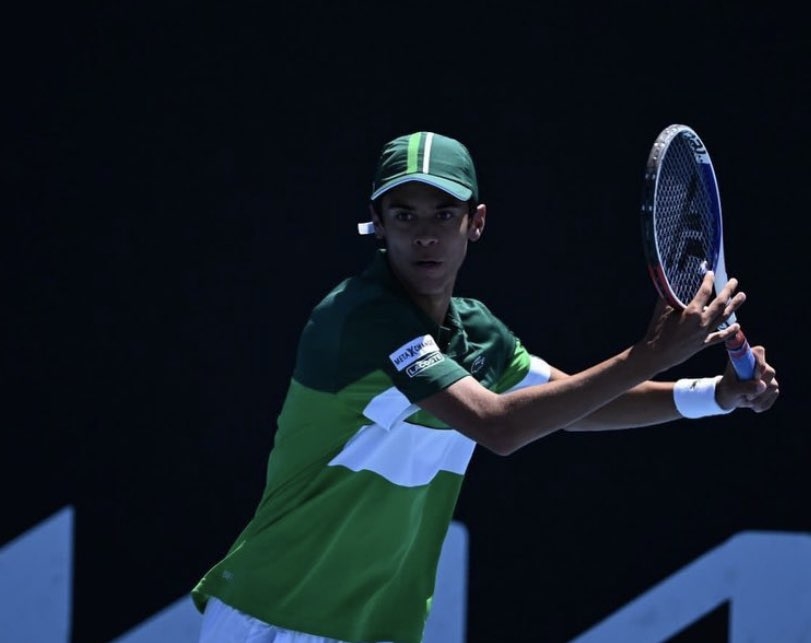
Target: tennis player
{"x":396,"y":381}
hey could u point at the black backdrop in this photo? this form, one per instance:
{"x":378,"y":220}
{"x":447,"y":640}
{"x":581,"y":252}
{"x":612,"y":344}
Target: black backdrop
{"x":183,"y":183}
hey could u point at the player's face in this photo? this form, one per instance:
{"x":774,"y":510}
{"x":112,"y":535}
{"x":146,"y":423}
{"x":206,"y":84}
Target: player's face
{"x":426,"y":232}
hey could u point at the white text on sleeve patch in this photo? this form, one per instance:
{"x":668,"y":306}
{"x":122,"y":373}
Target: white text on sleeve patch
{"x":409,"y":353}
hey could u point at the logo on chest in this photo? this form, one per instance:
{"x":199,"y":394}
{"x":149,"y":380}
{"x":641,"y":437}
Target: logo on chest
{"x":478,"y":364}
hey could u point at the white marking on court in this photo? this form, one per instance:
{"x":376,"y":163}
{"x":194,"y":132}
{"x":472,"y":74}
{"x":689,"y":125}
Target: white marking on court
{"x":36,"y":582}
{"x":766,"y":577}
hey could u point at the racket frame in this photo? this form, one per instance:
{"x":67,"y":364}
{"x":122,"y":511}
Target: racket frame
{"x":737,"y":346}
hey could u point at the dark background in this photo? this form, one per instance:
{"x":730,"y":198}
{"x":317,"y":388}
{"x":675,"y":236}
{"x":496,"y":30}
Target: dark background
{"x":183,"y":182}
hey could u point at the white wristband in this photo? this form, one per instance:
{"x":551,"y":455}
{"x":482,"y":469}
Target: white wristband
{"x":695,"y":398}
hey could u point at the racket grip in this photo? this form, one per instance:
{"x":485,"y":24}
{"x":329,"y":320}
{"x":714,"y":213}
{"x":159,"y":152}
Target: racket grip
{"x":741,"y":356}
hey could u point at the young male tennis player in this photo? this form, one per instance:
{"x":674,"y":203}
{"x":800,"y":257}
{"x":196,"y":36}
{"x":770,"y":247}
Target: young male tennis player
{"x":396,"y":381}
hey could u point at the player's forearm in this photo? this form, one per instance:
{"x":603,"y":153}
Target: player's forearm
{"x":647,"y":404}
{"x":531,"y":413}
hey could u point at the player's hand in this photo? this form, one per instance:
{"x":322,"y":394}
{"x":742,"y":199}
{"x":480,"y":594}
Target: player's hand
{"x":758,"y":394}
{"x":675,"y":335}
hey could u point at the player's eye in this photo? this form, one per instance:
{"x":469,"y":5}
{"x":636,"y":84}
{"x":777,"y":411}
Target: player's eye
{"x":403,"y":215}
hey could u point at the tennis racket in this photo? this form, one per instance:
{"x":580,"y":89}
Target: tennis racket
{"x":682,"y":228}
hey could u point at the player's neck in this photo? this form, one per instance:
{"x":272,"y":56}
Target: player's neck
{"x":435,"y":306}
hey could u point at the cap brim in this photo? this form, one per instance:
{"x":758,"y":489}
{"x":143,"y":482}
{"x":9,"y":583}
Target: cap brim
{"x":451,"y":187}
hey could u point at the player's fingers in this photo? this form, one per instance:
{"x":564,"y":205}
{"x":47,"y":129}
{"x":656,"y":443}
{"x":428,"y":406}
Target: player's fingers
{"x":765,"y":401}
{"x":728,"y":290}
{"x":765,"y":371}
{"x":704,"y":292}
{"x":727,"y":299}
{"x":724,"y":305}
{"x":768,"y":375}
{"x":718,"y":336}
{"x":732,"y":304}
{"x":718,"y":316}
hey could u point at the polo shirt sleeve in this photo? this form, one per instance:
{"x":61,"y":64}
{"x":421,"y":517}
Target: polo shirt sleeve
{"x":392,"y":340}
{"x":523,"y":369}
{"x":419,"y":368}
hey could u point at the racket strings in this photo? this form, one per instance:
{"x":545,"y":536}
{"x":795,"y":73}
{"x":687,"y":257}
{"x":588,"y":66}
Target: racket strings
{"x":684,"y":220}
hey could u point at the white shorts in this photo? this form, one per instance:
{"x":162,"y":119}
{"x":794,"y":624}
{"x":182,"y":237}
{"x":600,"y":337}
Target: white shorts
{"x":224,"y":624}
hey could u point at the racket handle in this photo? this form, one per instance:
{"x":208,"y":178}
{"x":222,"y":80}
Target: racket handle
{"x":741,"y":356}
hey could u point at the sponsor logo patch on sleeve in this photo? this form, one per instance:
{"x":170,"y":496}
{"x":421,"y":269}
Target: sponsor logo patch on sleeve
{"x":422,"y":364}
{"x":413,"y":351}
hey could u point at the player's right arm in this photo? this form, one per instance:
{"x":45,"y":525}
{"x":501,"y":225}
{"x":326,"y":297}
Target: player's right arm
{"x":506,"y":422}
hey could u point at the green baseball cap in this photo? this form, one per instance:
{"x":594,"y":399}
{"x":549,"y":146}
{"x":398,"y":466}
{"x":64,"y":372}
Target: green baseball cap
{"x":429,"y":158}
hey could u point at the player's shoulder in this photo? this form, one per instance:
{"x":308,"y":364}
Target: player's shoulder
{"x":352,"y":331}
{"x":359,"y":316}
{"x":472,"y":310}
{"x":355,"y":300}
{"x":479,"y":321}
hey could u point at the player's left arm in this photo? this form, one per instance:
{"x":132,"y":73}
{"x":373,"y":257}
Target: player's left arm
{"x":653,"y":402}
{"x":646,"y":404}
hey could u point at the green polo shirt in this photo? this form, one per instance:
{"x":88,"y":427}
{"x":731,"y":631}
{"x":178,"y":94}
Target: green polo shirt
{"x":362,"y":484}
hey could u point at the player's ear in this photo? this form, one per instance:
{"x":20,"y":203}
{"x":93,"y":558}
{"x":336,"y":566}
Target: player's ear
{"x":477,"y":219}
{"x":379,"y":231}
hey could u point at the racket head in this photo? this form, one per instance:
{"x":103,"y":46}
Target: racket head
{"x":681,"y":214}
